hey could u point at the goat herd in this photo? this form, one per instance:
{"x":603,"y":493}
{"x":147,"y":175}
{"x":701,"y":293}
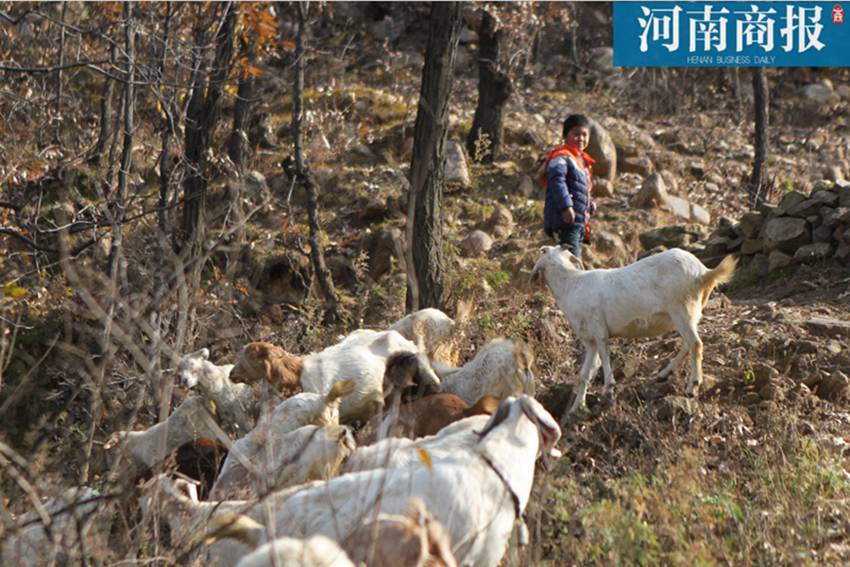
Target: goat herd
{"x":443,"y":465}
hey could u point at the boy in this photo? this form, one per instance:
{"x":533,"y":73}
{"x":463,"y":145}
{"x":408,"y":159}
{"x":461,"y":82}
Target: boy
{"x":568,"y":184}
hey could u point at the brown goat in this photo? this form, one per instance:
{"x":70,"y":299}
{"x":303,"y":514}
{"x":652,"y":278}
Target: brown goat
{"x":265,"y":361}
{"x":427,"y":416}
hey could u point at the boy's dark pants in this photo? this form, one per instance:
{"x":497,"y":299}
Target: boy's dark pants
{"x":572,"y":235}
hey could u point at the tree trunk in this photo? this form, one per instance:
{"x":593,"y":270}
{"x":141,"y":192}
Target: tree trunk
{"x":57,"y":134}
{"x":425,"y":265}
{"x":168,"y":107}
{"x":105,"y":113}
{"x":304,"y":176}
{"x":201,"y":118}
{"x":494,"y":89}
{"x":237,"y":146}
{"x":115,"y":261}
{"x":758,"y":179}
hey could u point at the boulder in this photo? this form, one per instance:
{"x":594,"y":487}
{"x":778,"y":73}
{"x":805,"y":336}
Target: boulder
{"x":789,"y":201}
{"x":777,"y":260}
{"x":456,"y":169}
{"x":833,"y":173}
{"x":752,"y":246}
{"x":680,"y":208}
{"x":818,"y":93}
{"x":822,"y":234}
{"x":786,"y":234}
{"x":611,"y":245}
{"x":834,"y":387}
{"x":816,"y":252}
{"x":526,"y":186}
{"x":833,"y":217}
{"x":641,"y":165}
{"x":602,"y":188}
{"x":699,"y":214}
{"x":500,"y":223}
{"x":475,"y":244}
{"x":751,"y":223}
{"x":678,"y":235}
{"x":812,"y":205}
{"x":653,"y":192}
{"x":602,"y":149}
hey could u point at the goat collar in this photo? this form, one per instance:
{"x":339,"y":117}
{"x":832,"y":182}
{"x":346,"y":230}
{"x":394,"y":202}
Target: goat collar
{"x":522,"y":529}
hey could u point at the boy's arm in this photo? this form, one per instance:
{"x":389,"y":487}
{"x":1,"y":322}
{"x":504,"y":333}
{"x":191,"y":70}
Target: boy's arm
{"x":556,"y":176}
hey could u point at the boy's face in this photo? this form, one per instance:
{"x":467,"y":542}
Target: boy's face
{"x":578,"y":137}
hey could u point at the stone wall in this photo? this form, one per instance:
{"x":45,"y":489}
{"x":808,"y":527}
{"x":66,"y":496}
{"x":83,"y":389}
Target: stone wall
{"x":800,"y":229}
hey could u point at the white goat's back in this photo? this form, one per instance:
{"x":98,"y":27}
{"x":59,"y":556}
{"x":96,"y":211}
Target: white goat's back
{"x":361,"y":357}
{"x":495,"y":371}
{"x":318,"y":551}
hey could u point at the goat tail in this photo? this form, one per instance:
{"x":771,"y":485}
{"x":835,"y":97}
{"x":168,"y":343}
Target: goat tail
{"x":340,"y":390}
{"x":719,"y":275}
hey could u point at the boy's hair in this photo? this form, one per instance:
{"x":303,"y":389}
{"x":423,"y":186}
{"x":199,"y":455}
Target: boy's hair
{"x":574,"y":120}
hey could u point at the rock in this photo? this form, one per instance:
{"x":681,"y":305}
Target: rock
{"x":382,"y":246}
{"x":697,"y":169}
{"x":777,"y":260}
{"x":611,"y":245}
{"x":500,"y":223}
{"x":475,"y":244}
{"x":763,"y":374}
{"x":750,"y":398}
{"x":790,"y":200}
{"x":602,"y":188}
{"x":671,"y":407}
{"x":641,"y":165}
{"x":831,"y":218}
{"x":843,"y":91}
{"x":726,"y":227}
{"x":456,"y":168}
{"x":843,"y":193}
{"x":813,"y":205}
{"x":653,"y":193}
{"x":680,"y":208}
{"x":834,"y":387}
{"x":828,"y":327}
{"x":822,"y":234}
{"x":769,"y":392}
{"x":786,"y":234}
{"x":752,"y":246}
{"x":717,"y":246}
{"x":602,"y":149}
{"x":343,"y":271}
{"x":670,"y":180}
{"x":526,"y":186}
{"x":388,"y":29}
{"x":671,"y":236}
{"x":699,"y":214}
{"x":751,"y":224}
{"x":842,"y":253}
{"x":816,"y":252}
{"x":833,"y":173}
{"x":818,"y":93}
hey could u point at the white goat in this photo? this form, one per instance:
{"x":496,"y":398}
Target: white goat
{"x":361,"y":357}
{"x":478,"y":495}
{"x":236,"y":404}
{"x":190,"y":421}
{"x":426,"y":327}
{"x":282,"y":460}
{"x":501,"y":368}
{"x":69,"y":516}
{"x":650,"y":297}
{"x":318,"y":551}
{"x":490,"y":485}
{"x":289,"y":415}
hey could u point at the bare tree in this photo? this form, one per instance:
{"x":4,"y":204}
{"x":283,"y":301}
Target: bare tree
{"x":304,"y":176}
{"x":759,"y":185}
{"x":494,"y":89}
{"x":201,"y":119}
{"x":425,"y":262}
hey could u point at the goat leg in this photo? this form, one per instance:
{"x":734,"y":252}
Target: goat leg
{"x":588,"y":369}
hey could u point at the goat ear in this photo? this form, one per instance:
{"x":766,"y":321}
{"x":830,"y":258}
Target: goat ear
{"x":204,"y":353}
{"x":502,"y":413}
{"x":549,"y":430}
{"x":420,"y":331}
{"x":522,"y":355}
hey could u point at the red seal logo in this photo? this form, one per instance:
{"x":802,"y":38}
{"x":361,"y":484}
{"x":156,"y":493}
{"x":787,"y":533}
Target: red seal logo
{"x":837,"y":14}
